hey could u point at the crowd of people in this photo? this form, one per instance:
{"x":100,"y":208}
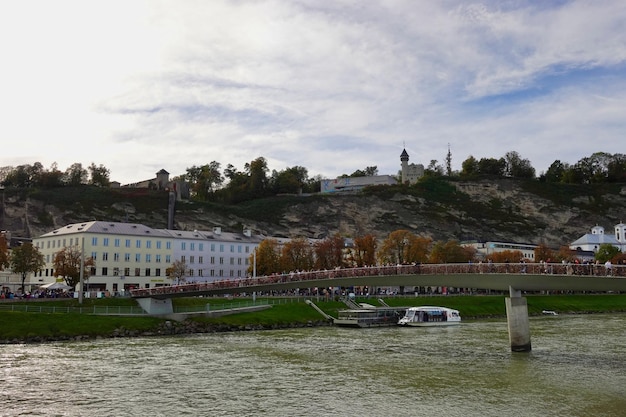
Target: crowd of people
{"x":592,"y":269}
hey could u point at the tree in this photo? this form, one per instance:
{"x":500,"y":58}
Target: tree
{"x":606,"y":252}
{"x":364,"y":250}
{"x":290,"y":180}
{"x":267,"y":258}
{"x":5,"y":261}
{"x":75,"y":175}
{"x":403,"y":247}
{"x":99,"y":175}
{"x":543,"y":253}
{"x":26,"y":259}
{"x":329,"y":253}
{"x":469,"y":167}
{"x":451,"y":251}
{"x":506,"y":256}
{"x":177,"y":271}
{"x":297,"y":255}
{"x":517,"y":167}
{"x":204,"y":179}
{"x":492,"y":166}
{"x":555,"y":171}
{"x":449,"y":162}
{"x":67,"y":264}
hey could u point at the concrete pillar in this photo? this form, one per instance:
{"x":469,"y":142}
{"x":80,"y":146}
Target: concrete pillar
{"x":517,"y":319}
{"x":155,"y":306}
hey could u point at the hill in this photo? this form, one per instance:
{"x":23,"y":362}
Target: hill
{"x":487,"y":209}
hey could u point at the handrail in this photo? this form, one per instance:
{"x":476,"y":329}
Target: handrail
{"x":413,"y":269}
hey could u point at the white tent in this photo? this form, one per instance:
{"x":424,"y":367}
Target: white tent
{"x":55,"y":286}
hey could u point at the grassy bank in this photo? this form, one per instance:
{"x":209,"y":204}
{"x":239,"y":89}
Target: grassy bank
{"x":17,"y":326}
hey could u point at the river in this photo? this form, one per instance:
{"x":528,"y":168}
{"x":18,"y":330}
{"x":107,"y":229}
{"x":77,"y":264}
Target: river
{"x":577,"y":368}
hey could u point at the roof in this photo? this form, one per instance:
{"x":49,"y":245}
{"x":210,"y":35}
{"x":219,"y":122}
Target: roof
{"x":595,"y":239}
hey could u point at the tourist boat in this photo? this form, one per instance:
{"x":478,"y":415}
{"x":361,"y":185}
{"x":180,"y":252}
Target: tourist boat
{"x":369,"y":316}
{"x":430,"y":316}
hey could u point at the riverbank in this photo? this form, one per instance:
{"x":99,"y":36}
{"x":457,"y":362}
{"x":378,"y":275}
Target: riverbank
{"x":20,"y":327}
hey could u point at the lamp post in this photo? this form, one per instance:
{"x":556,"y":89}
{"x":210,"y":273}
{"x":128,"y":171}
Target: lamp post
{"x":82,"y":268}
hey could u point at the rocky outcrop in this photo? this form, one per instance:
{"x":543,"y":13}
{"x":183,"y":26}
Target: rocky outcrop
{"x":464,"y":210}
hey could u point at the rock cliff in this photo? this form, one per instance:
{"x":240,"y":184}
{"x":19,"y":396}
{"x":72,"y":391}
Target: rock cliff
{"x":507,"y":210}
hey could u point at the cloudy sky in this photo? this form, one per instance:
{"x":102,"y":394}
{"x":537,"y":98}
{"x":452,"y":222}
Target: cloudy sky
{"x":333,"y":86}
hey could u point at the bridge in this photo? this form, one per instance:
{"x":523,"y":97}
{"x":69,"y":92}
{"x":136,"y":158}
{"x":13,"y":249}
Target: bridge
{"x":515,"y":278}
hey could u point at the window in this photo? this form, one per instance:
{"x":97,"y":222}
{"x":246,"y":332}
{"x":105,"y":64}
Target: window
{"x":158,"y":244}
{"x":116,"y":257}
{"x":148,"y":258}
{"x":158,"y":258}
{"x":126,"y":271}
{"x":116,"y":271}
{"x":105,"y":256}
{"x":147,"y":272}
{"x":232,"y":261}
{"x":168,"y":245}
{"x":105,"y":241}
{"x":117,"y":243}
{"x":168,"y":259}
{"x":183,"y":245}
{"x":200,"y":259}
{"x":127,"y":243}
{"x":148,"y":244}
{"x":232,"y":248}
{"x":212,"y":247}
{"x":94,"y":256}
{"x":221,"y":248}
{"x":192,"y":259}
{"x":221,"y":260}
{"x":201,"y":247}
{"x":239,"y":248}
{"x":138,"y":243}
{"x":137,"y":272}
{"x":105,"y":271}
{"x":199,"y":272}
{"x":183,"y":259}
{"x":157,"y":272}
{"x":127,"y":257}
{"x":213,"y":260}
{"x":94,"y":241}
{"x":192,"y":246}
{"x":137,"y":257}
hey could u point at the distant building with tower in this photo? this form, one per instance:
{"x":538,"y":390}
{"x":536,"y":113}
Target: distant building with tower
{"x":410,"y":173}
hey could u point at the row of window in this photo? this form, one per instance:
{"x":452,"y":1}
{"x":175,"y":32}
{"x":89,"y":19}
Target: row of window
{"x":148,"y":272}
{"x":117,"y":242}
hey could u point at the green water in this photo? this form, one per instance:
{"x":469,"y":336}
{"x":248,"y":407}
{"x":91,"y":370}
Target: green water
{"x":577,"y":368}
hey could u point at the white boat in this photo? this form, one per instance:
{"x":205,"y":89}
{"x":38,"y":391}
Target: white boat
{"x":430,"y":316}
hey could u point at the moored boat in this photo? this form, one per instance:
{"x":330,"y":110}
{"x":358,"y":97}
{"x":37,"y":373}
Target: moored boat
{"x":430,"y":316}
{"x":369,"y":317}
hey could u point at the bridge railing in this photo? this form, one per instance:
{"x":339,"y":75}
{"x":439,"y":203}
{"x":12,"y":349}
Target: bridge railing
{"x":413,"y":269}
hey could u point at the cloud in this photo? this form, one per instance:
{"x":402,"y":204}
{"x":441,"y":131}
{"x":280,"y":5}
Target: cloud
{"x":332,"y":86}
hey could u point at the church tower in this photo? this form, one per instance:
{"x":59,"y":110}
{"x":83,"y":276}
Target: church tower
{"x":404,"y":160}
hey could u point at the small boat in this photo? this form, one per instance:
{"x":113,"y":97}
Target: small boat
{"x":549,"y":313}
{"x":369,"y":316}
{"x":430,"y":316}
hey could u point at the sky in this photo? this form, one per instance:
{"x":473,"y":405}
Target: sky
{"x":332,"y":86}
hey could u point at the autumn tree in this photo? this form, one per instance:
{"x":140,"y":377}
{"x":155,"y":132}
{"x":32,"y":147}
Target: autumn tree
{"x":297,"y":255}
{"x":177,"y":271}
{"x":450,"y":252}
{"x":364,"y":250}
{"x":565,"y":254}
{"x":5,"y":261}
{"x":329,"y":253}
{"x":26,"y":259}
{"x":67,"y":264}
{"x":268,"y":256}
{"x":543,"y":253}
{"x":506,"y":256}
{"x":403,"y":247}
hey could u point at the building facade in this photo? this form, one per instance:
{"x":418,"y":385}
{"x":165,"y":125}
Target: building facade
{"x":129,"y":256}
{"x":591,"y":241}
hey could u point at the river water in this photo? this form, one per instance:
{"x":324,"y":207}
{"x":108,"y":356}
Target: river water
{"x":577,"y":368}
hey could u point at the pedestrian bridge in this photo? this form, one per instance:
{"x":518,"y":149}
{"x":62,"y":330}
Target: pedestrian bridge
{"x":514,"y":278}
{"x":523,"y":277}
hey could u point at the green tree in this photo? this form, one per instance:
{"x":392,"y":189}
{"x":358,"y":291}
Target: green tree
{"x":75,"y":175}
{"x":26,"y":259}
{"x":517,"y":167}
{"x":492,"y":166}
{"x":204,"y":179}
{"x":67,"y":264}
{"x":469,"y":167}
{"x":99,"y":175}
{"x":177,"y":271}
{"x":555,"y":171}
{"x":606,"y":252}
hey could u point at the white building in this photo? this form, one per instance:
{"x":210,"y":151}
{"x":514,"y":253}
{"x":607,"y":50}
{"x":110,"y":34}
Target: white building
{"x":131,"y":255}
{"x":484,"y":249}
{"x":592,"y":241}
{"x":344,"y":184}
{"x":410,"y":173}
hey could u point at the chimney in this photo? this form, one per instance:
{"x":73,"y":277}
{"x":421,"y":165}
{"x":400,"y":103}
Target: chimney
{"x":247,"y":232}
{"x":217,"y":230}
